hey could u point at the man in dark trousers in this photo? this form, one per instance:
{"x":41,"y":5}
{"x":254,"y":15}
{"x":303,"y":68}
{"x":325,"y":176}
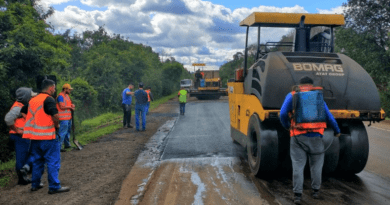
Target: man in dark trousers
{"x":306,"y":139}
{"x":16,"y":121}
{"x":126,"y":105}
{"x":41,"y":123}
{"x":141,"y":100}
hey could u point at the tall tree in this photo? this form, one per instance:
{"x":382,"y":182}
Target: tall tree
{"x":366,"y":36}
{"x":27,"y":49}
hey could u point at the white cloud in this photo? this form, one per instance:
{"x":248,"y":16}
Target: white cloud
{"x":55,"y":2}
{"x":74,"y":18}
{"x":336,"y":10}
{"x":101,"y":3}
{"x":189,"y":30}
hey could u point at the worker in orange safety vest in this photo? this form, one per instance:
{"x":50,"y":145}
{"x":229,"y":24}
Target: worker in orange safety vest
{"x":306,"y":135}
{"x":16,"y":121}
{"x":41,"y":123}
{"x":65,"y":107}
{"x":150,"y":98}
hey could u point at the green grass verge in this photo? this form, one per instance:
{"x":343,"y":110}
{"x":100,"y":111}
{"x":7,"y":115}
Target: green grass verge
{"x":162,"y":100}
{"x":5,"y":176}
{"x":94,"y":135}
{"x":4,"y":181}
{"x":109,"y":123}
{"x":89,"y":131}
{"x":7,"y":165}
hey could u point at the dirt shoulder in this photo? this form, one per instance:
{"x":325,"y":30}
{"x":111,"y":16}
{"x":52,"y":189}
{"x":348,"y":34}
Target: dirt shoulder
{"x":95,"y":174}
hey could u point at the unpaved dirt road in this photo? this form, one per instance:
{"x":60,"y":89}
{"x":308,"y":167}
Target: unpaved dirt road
{"x":95,"y":174}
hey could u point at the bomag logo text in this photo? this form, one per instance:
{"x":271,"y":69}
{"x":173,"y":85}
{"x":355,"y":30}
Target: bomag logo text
{"x":318,"y":67}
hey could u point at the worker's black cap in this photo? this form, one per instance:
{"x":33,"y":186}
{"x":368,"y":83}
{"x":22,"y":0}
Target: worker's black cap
{"x":140,"y":84}
{"x":305,"y":80}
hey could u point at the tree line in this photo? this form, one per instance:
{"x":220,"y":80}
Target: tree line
{"x":96,"y":64}
{"x":365,"y":38}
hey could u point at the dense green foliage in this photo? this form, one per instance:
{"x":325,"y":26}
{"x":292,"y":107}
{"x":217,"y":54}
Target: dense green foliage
{"x":27,"y":49}
{"x":97,"y":65}
{"x":366,"y":39}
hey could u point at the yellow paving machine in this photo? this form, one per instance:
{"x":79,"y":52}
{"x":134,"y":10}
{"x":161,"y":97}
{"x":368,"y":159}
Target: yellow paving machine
{"x":207,"y":85}
{"x":258,"y":92}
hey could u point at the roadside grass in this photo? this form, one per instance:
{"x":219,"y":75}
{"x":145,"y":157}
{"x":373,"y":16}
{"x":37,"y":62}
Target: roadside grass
{"x":162,"y":100}
{"x":6,"y":172}
{"x":89,"y":131}
{"x":108,"y":123}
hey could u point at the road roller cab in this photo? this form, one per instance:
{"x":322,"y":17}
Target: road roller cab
{"x":259,"y":89}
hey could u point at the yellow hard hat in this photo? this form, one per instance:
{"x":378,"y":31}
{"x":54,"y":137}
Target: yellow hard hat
{"x":67,"y":85}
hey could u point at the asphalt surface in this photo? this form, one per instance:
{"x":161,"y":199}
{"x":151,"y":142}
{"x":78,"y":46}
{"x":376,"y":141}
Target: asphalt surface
{"x":204,"y":131}
{"x":200,"y":164}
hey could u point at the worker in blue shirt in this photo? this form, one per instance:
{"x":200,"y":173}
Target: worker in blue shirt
{"x":141,"y":100}
{"x":309,"y":137}
{"x":126,"y":105}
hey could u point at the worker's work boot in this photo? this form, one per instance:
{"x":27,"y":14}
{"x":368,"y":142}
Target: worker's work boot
{"x":22,"y":177}
{"x":37,"y":188}
{"x":60,"y":190}
{"x":130,"y":126}
{"x":297,"y":198}
{"x":316,"y":194}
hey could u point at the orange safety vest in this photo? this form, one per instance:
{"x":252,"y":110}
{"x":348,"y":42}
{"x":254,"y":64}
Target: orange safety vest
{"x":39,"y":125}
{"x":19,"y":122}
{"x":304,"y":128}
{"x":148,"y":92}
{"x":65,"y":114}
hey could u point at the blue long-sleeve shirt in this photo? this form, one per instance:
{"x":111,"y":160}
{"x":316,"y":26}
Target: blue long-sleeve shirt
{"x":141,"y":97}
{"x":288,"y":106}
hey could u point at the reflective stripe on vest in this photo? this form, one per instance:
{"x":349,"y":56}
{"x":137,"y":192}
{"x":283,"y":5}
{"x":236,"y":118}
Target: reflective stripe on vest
{"x":20,"y":121}
{"x":148,"y":92}
{"x":64,"y":114}
{"x":39,"y":125}
{"x":309,"y":127}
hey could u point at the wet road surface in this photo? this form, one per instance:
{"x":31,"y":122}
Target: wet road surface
{"x":199,"y":164}
{"x":371,"y":186}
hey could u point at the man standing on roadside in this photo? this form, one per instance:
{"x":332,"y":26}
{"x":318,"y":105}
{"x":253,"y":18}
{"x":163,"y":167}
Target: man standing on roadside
{"x":182,"y":100}
{"x":65,"y":107}
{"x":142,"y":98}
{"x":41,"y":123}
{"x":16,"y":121}
{"x":126,"y":105}
{"x":306,"y":138}
{"x":150,"y":98}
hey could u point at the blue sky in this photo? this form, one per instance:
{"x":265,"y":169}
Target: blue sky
{"x":310,"y":5}
{"x":188,"y":30}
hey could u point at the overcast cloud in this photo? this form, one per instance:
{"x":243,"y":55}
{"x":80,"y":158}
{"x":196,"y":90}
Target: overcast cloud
{"x":191,"y":31}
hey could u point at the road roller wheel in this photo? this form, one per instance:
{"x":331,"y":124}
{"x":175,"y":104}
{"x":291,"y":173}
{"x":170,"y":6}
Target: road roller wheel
{"x":354,"y":149}
{"x":262,"y":147}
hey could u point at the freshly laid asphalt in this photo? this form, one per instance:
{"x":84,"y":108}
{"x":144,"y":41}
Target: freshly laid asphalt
{"x":204,"y":131}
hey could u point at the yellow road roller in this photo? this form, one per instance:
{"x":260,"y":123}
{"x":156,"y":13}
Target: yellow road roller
{"x":258,"y":91}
